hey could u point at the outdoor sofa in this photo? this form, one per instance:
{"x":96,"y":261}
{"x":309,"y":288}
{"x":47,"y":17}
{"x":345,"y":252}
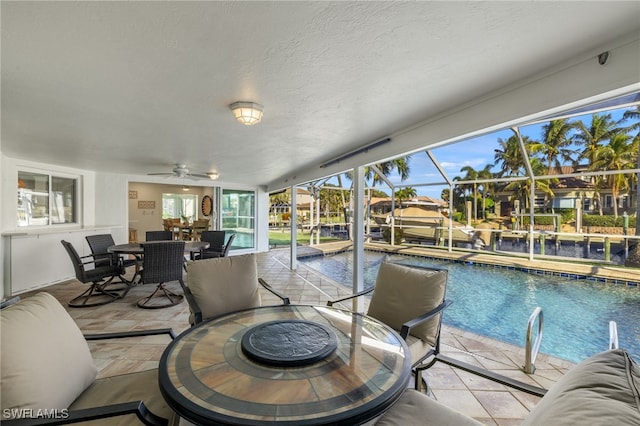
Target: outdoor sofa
{"x":602,"y":390}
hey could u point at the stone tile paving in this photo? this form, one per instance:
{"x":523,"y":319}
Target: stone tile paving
{"x":487,"y":401}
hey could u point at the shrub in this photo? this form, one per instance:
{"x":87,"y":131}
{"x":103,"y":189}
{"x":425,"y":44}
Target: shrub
{"x":398,"y":235}
{"x":607,"y":221}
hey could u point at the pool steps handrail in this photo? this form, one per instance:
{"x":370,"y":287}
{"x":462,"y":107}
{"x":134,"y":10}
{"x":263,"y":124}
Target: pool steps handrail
{"x":532,"y":348}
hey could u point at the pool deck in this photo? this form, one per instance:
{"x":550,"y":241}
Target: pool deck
{"x":561,"y":266}
{"x":489,"y":402}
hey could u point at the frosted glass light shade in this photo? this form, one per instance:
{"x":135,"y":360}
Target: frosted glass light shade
{"x":247,"y":113}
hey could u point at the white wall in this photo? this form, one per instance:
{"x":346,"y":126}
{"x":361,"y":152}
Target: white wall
{"x":111,"y":204}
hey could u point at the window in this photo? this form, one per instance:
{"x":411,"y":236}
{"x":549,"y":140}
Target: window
{"x":539,"y":202}
{"x":586,"y":204}
{"x":179,"y":206}
{"x":45,"y":199}
{"x":623,"y":202}
{"x":608,"y":201}
{"x":238,"y":216}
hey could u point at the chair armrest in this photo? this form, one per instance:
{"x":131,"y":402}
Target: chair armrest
{"x":134,"y":333}
{"x":114,"y":259}
{"x":285,"y":299}
{"x":407,"y":326}
{"x":68,"y":417}
{"x":193,"y":305}
{"x":342,"y":299}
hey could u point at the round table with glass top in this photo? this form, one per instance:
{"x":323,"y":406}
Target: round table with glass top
{"x":286,"y":364}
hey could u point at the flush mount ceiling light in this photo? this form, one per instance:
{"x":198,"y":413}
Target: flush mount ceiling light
{"x":247,"y":113}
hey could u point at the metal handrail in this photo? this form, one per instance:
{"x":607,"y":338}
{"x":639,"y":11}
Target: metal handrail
{"x":613,"y":335}
{"x":531,"y":350}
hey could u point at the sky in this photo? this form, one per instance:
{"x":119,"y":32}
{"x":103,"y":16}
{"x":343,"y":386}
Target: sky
{"x":475,"y":152}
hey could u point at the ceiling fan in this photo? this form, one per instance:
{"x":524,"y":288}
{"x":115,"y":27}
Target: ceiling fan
{"x":181,"y":171}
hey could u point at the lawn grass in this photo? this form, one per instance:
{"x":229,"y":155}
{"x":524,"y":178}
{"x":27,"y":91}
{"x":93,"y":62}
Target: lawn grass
{"x":280,"y":238}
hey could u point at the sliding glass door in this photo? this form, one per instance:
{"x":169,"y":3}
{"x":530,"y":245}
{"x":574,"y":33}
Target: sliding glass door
{"x":238,"y":211}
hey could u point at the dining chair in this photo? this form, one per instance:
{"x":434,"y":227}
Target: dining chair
{"x":199,"y":226}
{"x":159,"y":236}
{"x":411,"y":300}
{"x":173,"y":225}
{"x":162,"y":262}
{"x":100,"y":276}
{"x":224,"y":285}
{"x":47,"y":366}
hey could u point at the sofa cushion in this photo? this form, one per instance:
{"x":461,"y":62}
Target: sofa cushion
{"x":46,"y":362}
{"x":403,"y":293}
{"x":415,"y":408}
{"x":224,"y":284}
{"x":602,"y":390}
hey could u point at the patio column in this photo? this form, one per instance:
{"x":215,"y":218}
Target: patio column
{"x":293,"y":223}
{"x":358,"y":236}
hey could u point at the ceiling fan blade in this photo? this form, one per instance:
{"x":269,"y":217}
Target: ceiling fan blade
{"x":161,"y":174}
{"x":198,"y":176}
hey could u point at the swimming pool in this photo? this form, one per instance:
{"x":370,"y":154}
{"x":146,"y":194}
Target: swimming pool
{"x":498,"y":302}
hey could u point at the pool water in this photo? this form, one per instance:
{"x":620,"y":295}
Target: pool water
{"x":497,"y":303}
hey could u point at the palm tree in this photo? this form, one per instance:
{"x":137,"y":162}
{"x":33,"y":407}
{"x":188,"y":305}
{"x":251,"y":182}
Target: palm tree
{"x":619,"y":154}
{"x":405,"y":193}
{"x":634,"y":114}
{"x":556,"y":142}
{"x":487,"y":187}
{"x":592,"y":138}
{"x":331,"y":200}
{"x":401,"y":165}
{"x":472,"y":174}
{"x":522,"y":189}
{"x":510,"y":157}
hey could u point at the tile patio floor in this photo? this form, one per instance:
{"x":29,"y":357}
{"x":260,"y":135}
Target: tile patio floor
{"x":486,"y":401}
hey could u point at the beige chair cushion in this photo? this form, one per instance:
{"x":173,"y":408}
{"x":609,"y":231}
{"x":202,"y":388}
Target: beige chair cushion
{"x":415,"y":408}
{"x":124,"y":388}
{"x":403,"y":293}
{"x":224,"y":284}
{"x":46,"y":362}
{"x":602,"y":390}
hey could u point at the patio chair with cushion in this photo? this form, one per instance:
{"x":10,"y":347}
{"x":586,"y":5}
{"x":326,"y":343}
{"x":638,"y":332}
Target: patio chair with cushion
{"x":102,"y":288}
{"x":224,"y":285}
{"x":48,"y":372}
{"x":411,"y":300}
{"x":162,"y":262}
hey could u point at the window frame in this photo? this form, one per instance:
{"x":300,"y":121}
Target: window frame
{"x":76,"y":200}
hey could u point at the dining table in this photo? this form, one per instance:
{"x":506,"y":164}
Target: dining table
{"x":136,"y":250}
{"x":285,"y":365}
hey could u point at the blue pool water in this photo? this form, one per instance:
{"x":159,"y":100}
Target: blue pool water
{"x":498,"y":302}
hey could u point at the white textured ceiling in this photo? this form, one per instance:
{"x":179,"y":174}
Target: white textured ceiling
{"x":133,"y":87}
